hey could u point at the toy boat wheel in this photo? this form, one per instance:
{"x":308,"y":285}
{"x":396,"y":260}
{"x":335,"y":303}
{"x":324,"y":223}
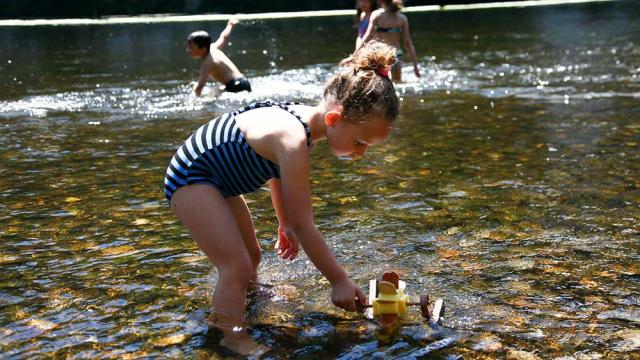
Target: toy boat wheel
{"x":432,"y":312}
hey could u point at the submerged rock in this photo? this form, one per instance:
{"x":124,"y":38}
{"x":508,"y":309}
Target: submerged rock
{"x":488,"y":343}
{"x":521,"y":264}
{"x":521,"y":355}
{"x":534,"y":335}
{"x":621,"y":314}
{"x":170,"y":340}
{"x":630,"y":341}
{"x":321,"y":330}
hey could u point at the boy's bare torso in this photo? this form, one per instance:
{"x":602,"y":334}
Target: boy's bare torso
{"x":220,"y":67}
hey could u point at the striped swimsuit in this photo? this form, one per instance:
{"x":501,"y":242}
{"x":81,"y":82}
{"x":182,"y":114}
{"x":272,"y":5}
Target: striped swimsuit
{"x":218,"y":154}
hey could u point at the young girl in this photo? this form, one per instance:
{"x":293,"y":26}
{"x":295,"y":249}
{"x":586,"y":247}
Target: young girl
{"x":238,"y":152}
{"x":364,"y":8}
{"x":390,"y":26}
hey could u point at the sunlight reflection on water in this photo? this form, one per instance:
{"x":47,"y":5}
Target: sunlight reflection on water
{"x":509,"y":187}
{"x":167,"y":99}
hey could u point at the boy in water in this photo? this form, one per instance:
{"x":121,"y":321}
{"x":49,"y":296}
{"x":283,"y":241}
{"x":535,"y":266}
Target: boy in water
{"x":214,"y":62}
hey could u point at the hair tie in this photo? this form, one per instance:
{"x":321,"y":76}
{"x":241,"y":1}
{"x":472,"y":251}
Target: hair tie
{"x":382,"y":71}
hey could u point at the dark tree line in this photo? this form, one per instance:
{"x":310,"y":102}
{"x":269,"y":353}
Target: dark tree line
{"x":30,"y":9}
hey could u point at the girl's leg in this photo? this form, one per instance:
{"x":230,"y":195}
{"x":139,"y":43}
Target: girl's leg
{"x":211,"y":222}
{"x":243,"y":217}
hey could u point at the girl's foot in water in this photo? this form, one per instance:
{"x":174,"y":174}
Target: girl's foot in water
{"x":241,"y":343}
{"x":236,"y":337}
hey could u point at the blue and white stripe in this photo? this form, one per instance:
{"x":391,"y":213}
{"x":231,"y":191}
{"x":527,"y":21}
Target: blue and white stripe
{"x":218,"y":154}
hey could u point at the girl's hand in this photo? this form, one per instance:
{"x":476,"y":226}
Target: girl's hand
{"x":345,"y":293}
{"x":287,"y":246}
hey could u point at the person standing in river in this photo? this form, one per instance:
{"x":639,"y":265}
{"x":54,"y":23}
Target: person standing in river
{"x":364,"y":8}
{"x":215,"y":63}
{"x":388,"y":25}
{"x":269,"y":141}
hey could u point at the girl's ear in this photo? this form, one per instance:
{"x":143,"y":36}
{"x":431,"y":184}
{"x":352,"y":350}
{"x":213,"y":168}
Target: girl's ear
{"x":332,"y":118}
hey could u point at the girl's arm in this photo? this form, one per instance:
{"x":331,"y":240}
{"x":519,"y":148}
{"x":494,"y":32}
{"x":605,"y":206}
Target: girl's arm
{"x":296,"y":195}
{"x":276,"y":200}
{"x":363,"y":15}
{"x":293,"y":159}
{"x":373,"y":19}
{"x":287,"y":246}
{"x":224,"y":35}
{"x":408,"y":45}
{"x":366,"y":37}
{"x":358,"y":42}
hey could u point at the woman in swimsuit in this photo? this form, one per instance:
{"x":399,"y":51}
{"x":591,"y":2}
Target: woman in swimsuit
{"x":238,"y":152}
{"x":388,"y":25}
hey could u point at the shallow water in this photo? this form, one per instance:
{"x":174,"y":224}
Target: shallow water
{"x":509,"y":188}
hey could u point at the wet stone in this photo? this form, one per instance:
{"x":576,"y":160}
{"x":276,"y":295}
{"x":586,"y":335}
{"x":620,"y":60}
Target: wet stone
{"x":488,"y":343}
{"x":534,"y":335}
{"x":322,"y":330}
{"x":6,"y":299}
{"x":521,"y":355}
{"x":631,"y":315}
{"x":629,"y":340}
{"x":521,"y":264}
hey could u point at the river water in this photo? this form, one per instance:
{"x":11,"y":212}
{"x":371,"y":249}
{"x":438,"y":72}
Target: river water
{"x":510,"y":187}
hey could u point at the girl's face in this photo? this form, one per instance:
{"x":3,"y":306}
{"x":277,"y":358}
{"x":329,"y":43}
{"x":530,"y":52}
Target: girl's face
{"x":351,"y":140}
{"x":365,"y":5}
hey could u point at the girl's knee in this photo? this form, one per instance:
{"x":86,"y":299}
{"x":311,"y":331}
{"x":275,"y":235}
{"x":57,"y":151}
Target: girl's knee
{"x":256,"y":256}
{"x":239,"y":272}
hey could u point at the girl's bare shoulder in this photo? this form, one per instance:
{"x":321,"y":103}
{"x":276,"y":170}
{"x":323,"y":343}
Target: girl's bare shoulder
{"x":271,"y":129}
{"x":376,"y":13}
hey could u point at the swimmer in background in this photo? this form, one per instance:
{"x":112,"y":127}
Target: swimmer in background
{"x":388,"y":25}
{"x":215,"y":63}
{"x":364,"y":8}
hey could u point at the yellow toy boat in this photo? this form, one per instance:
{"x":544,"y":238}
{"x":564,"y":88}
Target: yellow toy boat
{"x":388,"y":300}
